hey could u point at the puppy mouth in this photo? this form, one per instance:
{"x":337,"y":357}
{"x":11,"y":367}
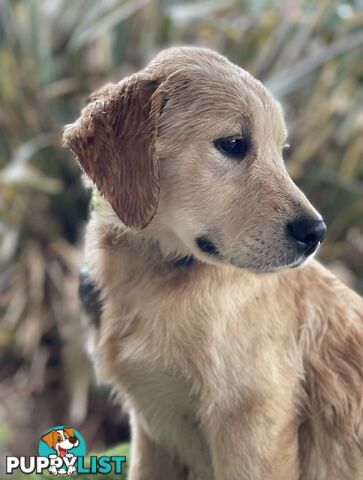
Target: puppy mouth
{"x":301,"y":260}
{"x":297,"y":263}
{"x":312,"y":249}
{"x":206,"y":246}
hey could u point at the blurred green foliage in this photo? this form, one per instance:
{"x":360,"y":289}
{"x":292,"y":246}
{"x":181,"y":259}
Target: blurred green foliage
{"x":52,"y":55}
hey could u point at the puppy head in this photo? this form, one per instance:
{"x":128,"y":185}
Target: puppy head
{"x":197,"y":142}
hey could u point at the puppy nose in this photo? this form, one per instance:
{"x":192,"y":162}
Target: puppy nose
{"x":308,"y":232}
{"x":73,"y":440}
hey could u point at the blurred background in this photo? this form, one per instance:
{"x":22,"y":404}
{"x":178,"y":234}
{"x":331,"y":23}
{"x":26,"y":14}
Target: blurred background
{"x":52,"y":55}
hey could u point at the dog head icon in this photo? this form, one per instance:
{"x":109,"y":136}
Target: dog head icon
{"x":61,"y":440}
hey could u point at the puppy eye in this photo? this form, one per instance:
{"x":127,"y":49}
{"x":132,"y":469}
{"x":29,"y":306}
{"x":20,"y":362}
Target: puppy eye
{"x":236,"y":148}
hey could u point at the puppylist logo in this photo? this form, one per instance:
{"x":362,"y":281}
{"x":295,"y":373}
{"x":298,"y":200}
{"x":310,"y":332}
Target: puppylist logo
{"x":62,"y":451}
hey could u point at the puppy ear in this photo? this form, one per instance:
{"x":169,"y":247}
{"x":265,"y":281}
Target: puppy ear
{"x":114,"y":140}
{"x":50,"y":438}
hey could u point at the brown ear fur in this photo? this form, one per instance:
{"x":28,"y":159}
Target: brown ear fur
{"x":114,"y":140}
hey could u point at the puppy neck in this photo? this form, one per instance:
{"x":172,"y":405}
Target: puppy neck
{"x":142,"y":244}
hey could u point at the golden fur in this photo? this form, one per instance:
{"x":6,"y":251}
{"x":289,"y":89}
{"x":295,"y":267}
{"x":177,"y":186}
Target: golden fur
{"x":235,"y":367}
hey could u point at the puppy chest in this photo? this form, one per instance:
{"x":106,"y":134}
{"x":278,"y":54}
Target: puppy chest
{"x":167,"y":410}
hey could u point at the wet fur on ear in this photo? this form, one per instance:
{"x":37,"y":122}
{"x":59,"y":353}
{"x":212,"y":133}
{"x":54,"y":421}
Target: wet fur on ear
{"x":114,"y":141}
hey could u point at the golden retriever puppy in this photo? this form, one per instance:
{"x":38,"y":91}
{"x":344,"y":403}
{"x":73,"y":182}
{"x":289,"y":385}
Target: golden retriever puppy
{"x":235,"y":365}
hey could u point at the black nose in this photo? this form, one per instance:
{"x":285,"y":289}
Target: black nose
{"x":73,"y":440}
{"x":308,"y":232}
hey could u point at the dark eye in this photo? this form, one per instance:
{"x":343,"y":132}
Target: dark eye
{"x":236,"y":148}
